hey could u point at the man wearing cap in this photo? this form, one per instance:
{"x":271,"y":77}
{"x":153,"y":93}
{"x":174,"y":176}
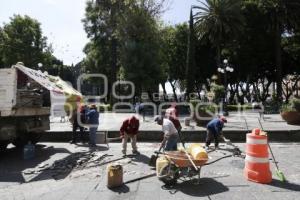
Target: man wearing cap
{"x":214,"y":130}
{"x":169,"y":142}
{"x":129,"y":129}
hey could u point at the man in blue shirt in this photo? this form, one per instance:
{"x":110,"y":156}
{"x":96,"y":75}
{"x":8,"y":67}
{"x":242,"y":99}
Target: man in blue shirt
{"x":214,"y":131}
{"x":93,"y":121}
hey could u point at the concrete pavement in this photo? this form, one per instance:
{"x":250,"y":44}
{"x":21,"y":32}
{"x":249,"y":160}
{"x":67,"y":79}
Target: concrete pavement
{"x":221,"y":180}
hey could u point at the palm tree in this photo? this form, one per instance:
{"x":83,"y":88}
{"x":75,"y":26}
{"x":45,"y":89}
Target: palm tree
{"x":218,"y":20}
{"x":284,"y":17}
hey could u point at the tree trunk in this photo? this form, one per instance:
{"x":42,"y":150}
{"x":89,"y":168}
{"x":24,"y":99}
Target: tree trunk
{"x":278,"y":59}
{"x":198,"y":91}
{"x":164,"y":91}
{"x":190,"y":64}
{"x":174,"y":90}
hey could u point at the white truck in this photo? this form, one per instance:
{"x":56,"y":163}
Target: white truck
{"x":25,"y":103}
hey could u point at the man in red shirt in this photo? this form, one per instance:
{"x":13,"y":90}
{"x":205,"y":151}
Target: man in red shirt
{"x":129,"y":129}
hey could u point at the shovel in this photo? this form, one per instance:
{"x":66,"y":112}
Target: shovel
{"x":278,"y":172}
{"x":152,"y":161}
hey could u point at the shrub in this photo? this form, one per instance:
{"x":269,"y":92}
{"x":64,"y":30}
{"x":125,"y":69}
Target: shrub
{"x":104,"y":107}
{"x":204,"y":108}
{"x":295,"y":102}
{"x":219,"y":92}
{"x":287,"y":107}
{"x":238,"y":107}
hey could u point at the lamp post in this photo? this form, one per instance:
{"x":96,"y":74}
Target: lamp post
{"x":223,"y":70}
{"x":119,"y":77}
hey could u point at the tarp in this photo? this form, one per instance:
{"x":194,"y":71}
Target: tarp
{"x":64,"y":97}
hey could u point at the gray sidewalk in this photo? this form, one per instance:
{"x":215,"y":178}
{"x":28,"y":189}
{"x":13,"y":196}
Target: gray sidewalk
{"x":221,"y":180}
{"x":236,"y":128}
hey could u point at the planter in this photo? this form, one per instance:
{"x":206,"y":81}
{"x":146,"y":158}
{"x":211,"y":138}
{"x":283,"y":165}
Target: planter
{"x":291,"y":117}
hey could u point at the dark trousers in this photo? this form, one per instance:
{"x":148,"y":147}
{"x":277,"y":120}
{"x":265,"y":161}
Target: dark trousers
{"x":171,"y":144}
{"x":75,"y":135}
{"x":210,"y":135}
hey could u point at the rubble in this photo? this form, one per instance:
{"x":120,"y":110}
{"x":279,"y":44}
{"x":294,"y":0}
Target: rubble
{"x":75,"y":161}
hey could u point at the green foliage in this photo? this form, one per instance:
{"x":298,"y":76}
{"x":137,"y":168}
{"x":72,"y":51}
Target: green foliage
{"x":124,"y":35}
{"x":104,"y":107}
{"x":190,"y":63}
{"x":292,"y":105}
{"x":22,"y":40}
{"x":287,"y":107}
{"x":175,"y":39}
{"x":219,"y":21}
{"x":204,"y":108}
{"x":140,"y":49}
{"x":218,"y":91}
{"x":238,"y":107}
{"x":295,"y":103}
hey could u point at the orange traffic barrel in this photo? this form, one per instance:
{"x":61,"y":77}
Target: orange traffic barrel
{"x":257,"y":166}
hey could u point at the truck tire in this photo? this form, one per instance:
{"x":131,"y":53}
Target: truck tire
{"x":20,"y":142}
{"x":34,"y":137}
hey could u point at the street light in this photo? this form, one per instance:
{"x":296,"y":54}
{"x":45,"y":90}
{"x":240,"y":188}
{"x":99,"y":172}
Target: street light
{"x":223,"y":70}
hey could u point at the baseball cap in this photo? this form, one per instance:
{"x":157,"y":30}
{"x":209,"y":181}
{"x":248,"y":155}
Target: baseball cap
{"x":223,"y":119}
{"x":158,"y":118}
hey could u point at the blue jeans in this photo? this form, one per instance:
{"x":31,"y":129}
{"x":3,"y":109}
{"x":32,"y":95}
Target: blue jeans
{"x":171,"y":144}
{"x":210,"y":135}
{"x":93,"y":131}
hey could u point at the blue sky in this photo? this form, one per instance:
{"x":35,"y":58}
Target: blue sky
{"x":61,"y":21}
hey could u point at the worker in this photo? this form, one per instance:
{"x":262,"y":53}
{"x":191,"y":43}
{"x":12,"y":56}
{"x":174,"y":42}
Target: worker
{"x":129,"y":129}
{"x":77,"y":119}
{"x":214,"y":131}
{"x":172,"y":111}
{"x":93,"y":121}
{"x":170,"y":139}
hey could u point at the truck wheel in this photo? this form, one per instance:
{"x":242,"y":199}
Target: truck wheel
{"x":20,"y":142}
{"x":34,"y":137}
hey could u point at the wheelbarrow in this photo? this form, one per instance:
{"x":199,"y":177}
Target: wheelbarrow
{"x":179,"y":164}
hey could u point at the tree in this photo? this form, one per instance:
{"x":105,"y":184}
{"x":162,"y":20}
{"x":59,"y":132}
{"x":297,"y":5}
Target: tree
{"x":284,"y":17}
{"x":140,"y":49}
{"x":218,"y":20}
{"x":106,"y":23}
{"x":100,"y":23}
{"x":22,"y":40}
{"x":190,"y":63}
{"x":174,"y":53}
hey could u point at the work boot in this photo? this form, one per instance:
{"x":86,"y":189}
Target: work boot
{"x":124,"y":153}
{"x":135,"y":152}
{"x":73,"y":142}
{"x":92,"y":145}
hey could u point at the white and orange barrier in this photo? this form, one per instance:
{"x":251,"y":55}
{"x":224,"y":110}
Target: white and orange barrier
{"x":257,"y":166}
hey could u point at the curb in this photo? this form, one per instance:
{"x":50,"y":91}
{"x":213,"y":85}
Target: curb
{"x":188,"y":136}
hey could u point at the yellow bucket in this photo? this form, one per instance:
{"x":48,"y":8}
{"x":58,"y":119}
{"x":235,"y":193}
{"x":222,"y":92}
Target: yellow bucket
{"x":114,"y":175}
{"x":197,"y":152}
{"x":160,"y":163}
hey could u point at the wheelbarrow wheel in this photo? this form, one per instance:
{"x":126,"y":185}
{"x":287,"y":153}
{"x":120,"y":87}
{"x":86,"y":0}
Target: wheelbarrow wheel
{"x":169,"y":174}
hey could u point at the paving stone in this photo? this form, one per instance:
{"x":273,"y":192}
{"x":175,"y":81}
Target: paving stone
{"x":221,"y":180}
